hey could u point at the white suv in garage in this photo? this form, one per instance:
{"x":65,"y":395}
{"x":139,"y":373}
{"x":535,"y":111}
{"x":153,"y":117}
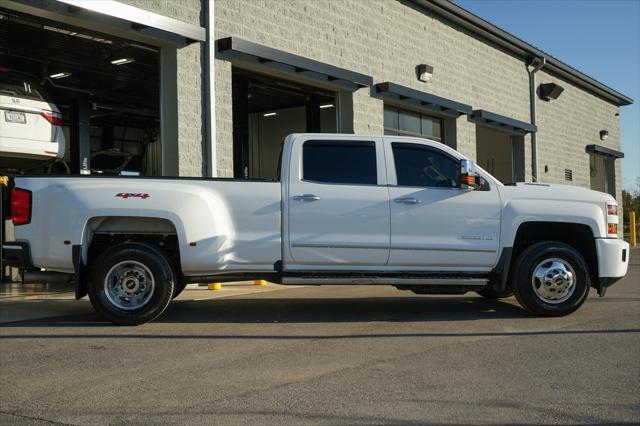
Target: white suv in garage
{"x":30,"y":125}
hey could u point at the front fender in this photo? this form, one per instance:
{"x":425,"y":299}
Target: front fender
{"x":519,"y":211}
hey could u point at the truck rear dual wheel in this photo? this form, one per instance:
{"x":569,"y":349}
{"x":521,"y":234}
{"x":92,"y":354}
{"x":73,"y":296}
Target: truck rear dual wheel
{"x":131,"y":284}
{"x":551,"y":279}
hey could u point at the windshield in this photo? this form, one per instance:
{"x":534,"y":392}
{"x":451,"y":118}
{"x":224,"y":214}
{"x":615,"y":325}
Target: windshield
{"x":20,"y":86}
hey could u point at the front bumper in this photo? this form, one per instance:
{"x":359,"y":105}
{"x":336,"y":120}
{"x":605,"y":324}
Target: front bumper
{"x":613,"y":262}
{"x":16,"y":254}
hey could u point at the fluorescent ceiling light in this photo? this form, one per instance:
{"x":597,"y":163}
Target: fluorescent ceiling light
{"x":270,"y":114}
{"x":326,"y":106}
{"x":60,"y":75}
{"x":122,"y":61}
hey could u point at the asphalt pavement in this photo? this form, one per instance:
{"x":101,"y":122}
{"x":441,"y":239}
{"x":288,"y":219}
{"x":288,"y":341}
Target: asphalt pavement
{"x":322,"y":355}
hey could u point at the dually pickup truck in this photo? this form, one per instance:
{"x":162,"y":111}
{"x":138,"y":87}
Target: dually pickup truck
{"x":348,"y":209}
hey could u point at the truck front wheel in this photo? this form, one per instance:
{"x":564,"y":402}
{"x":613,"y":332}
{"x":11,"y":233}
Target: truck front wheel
{"x":551,"y":279}
{"x":131,"y":283}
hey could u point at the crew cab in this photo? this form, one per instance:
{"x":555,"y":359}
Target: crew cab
{"x":348,"y":210}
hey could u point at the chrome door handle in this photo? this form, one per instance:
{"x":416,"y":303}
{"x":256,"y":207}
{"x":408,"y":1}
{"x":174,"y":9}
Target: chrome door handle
{"x":306,"y":197}
{"x":407,"y":200}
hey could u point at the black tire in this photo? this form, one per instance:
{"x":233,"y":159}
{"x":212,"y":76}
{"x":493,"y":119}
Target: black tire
{"x":491,"y":293}
{"x":180,"y":286}
{"x":158,"y":268}
{"x":537,"y":254}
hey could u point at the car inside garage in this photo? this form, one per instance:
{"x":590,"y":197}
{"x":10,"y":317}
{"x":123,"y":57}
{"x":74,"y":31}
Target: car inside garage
{"x":103,"y":94}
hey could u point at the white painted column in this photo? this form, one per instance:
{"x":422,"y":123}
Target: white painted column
{"x":210,"y":91}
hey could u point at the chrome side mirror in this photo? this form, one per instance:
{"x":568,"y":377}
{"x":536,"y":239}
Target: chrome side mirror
{"x":469,"y":178}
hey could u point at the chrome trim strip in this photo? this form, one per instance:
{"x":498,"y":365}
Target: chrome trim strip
{"x":380,"y":247}
{"x":384,"y":281}
{"x":443,"y":249}
{"x":340,"y":246}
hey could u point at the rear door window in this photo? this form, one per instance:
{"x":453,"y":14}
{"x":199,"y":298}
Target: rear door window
{"x":340,"y":162}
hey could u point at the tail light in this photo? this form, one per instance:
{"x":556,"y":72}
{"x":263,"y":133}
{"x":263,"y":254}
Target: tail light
{"x":20,"y":206}
{"x":52,"y":117}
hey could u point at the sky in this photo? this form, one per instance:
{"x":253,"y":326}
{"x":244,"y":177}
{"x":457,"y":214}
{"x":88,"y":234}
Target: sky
{"x":601,"y":38}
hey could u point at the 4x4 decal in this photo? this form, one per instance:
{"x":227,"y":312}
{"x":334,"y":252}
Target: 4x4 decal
{"x":125,"y":195}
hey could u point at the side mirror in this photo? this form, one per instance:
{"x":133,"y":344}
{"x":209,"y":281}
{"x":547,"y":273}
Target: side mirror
{"x":469,"y":178}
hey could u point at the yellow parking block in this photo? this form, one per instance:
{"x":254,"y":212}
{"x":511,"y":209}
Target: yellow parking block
{"x":261,"y":282}
{"x":214,"y":286}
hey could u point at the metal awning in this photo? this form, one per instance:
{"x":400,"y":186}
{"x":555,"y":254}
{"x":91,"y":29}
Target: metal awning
{"x":141,"y":18}
{"x":408,"y":97}
{"x":114,"y":18}
{"x":256,"y":55}
{"x":502,"y":122}
{"x":603,"y":150}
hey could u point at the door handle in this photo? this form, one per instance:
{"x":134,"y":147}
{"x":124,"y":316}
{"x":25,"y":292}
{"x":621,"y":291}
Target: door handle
{"x":306,"y":197}
{"x":407,"y":201}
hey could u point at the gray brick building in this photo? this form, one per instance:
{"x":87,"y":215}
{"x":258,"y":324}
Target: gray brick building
{"x":235,"y":76}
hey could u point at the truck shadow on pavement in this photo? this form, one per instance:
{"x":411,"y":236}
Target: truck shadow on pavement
{"x":308,"y":310}
{"x":266,"y":313}
{"x":340,"y":310}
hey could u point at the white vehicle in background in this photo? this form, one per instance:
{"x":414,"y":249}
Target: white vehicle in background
{"x":30,"y":125}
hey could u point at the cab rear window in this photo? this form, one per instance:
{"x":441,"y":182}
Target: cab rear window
{"x":344,"y":162}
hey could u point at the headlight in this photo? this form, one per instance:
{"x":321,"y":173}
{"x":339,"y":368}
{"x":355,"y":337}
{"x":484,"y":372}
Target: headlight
{"x":612,"y":220}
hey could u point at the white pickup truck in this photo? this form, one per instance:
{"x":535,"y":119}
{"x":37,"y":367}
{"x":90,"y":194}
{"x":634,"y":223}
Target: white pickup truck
{"x":352,"y":210}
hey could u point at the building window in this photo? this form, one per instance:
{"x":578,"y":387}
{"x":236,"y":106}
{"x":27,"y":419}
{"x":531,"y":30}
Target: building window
{"x":340,"y":162}
{"x":399,"y":122}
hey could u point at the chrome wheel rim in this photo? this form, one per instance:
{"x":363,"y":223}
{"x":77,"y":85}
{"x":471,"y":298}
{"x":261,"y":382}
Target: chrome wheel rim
{"x":553,"y":280}
{"x":129,"y":285}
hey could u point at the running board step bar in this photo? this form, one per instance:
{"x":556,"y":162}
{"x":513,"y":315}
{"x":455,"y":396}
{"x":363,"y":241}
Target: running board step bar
{"x":384,"y":281}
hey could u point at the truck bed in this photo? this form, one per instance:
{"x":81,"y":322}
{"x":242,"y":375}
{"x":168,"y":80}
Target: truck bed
{"x":245,"y":235}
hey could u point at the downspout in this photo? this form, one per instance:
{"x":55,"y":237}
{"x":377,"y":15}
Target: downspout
{"x":533,"y":67}
{"x":211,"y":166}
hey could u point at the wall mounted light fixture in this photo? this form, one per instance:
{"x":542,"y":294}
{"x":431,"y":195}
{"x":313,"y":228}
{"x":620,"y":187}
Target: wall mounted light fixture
{"x":550,"y":91}
{"x":604,"y":134}
{"x":424,"y":72}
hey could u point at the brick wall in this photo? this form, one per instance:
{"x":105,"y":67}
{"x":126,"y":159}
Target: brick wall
{"x":566,"y":126}
{"x":387,"y":39}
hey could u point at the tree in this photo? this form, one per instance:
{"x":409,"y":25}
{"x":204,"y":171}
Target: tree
{"x":631,"y":202}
